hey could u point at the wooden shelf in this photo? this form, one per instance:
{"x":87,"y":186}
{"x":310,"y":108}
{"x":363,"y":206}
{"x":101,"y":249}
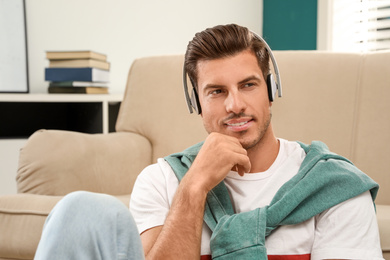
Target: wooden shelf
{"x":23,"y":114}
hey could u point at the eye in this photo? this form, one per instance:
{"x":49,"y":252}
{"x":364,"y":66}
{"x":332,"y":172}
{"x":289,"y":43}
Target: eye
{"x":215,"y":92}
{"x":249,"y":85}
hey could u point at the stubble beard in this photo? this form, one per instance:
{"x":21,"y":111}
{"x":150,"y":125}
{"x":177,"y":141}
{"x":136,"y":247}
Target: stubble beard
{"x":262,"y":130}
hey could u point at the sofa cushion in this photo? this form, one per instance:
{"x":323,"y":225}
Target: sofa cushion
{"x":22,"y":217}
{"x":383,"y":216}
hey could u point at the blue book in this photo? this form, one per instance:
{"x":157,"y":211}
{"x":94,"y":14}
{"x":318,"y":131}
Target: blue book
{"x":77,"y":74}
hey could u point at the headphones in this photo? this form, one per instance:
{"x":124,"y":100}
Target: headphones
{"x":272,"y":85}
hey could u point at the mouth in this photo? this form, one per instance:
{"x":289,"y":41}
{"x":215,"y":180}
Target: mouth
{"x":239,"y":125}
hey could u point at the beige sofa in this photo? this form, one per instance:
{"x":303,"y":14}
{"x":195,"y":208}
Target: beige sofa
{"x":341,"y":99}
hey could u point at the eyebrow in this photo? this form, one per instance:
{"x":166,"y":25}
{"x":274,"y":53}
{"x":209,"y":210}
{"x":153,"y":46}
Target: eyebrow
{"x":211,"y":86}
{"x":253,"y":77}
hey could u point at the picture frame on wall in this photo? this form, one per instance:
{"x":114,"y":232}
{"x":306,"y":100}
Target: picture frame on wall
{"x":13,"y":47}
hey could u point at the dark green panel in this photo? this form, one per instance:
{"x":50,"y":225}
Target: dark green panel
{"x":290,"y":24}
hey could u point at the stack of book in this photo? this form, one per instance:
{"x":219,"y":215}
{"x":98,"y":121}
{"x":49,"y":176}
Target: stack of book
{"x":77,"y":72}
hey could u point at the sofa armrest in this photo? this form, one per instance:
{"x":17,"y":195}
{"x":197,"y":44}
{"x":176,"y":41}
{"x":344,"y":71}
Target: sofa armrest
{"x":56,"y":162}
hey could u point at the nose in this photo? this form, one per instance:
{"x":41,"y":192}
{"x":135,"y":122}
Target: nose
{"x":235,"y":102}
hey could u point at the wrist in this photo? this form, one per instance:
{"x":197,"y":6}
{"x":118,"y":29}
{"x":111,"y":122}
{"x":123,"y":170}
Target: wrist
{"x":194,"y":189}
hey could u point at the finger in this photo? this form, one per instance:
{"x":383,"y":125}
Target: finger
{"x":243,"y":165}
{"x":240,"y":170}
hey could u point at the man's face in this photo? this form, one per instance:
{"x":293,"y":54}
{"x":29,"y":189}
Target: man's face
{"x":233,"y":97}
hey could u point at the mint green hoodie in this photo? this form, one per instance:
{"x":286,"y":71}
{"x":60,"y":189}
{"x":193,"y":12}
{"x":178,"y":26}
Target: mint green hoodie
{"x":324,"y":180}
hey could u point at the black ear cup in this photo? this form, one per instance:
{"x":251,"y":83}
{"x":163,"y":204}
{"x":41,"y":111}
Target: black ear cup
{"x":271,"y":87}
{"x":195,"y":101}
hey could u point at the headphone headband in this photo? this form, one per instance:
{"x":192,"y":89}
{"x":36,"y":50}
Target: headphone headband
{"x":193,"y":103}
{"x":274,"y":64}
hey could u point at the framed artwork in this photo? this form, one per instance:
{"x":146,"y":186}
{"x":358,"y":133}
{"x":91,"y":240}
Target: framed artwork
{"x":13,"y":47}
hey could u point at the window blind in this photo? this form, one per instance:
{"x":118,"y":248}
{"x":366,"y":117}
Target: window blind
{"x":361,"y":25}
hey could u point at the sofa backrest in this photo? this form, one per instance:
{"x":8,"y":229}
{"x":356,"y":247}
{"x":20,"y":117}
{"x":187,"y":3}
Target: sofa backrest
{"x":319,"y":95}
{"x":154,"y":106}
{"x":371,"y":150}
{"x":342,"y":99}
{"x":339,"y":98}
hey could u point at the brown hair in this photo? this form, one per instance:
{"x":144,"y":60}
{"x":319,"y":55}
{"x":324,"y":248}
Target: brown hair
{"x":223,"y":41}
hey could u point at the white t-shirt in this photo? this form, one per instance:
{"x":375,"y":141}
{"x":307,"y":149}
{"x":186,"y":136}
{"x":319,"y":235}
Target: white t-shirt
{"x":348,"y":230}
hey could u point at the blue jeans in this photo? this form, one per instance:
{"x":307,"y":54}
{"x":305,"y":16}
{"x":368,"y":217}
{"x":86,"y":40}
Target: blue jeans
{"x":85,"y":225}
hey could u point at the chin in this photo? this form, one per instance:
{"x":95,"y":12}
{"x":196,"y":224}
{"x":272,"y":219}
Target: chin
{"x":249,"y":142}
{"x":247,"y":145}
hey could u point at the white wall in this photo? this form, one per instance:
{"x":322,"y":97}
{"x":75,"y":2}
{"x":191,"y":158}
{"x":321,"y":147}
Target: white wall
{"x":122,"y":29}
{"x":125,"y":29}
{"x":9,"y":155}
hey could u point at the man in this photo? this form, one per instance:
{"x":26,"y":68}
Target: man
{"x":229,"y":66}
{"x":240,"y":194}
